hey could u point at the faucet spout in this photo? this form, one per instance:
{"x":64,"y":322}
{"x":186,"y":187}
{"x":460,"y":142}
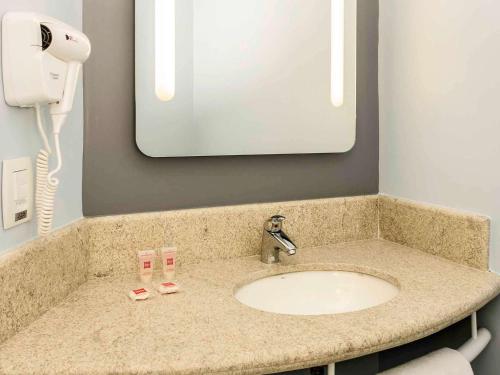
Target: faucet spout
{"x":283,"y":242}
{"x":275,"y":240}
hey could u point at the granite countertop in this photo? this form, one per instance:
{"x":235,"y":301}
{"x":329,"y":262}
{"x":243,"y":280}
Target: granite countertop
{"x":205,"y":330}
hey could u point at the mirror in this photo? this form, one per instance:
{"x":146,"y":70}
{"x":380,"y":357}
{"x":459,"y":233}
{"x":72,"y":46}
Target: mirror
{"x":245,"y":77}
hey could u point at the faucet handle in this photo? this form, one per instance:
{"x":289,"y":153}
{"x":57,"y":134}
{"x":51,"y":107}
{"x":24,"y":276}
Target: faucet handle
{"x":275,"y":223}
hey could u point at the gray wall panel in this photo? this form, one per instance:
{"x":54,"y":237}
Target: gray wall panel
{"x":117,"y":178}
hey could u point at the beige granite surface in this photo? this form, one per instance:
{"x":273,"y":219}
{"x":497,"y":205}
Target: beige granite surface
{"x":454,"y":235}
{"x":204,"y":330}
{"x":225,"y":232}
{"x":38,"y":275}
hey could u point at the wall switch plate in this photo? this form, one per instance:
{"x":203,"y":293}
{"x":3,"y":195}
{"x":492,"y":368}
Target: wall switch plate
{"x":17,"y":192}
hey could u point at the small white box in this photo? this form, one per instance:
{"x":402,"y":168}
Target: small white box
{"x":17,"y":192}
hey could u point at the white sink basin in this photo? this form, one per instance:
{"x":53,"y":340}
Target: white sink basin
{"x":316,"y":292}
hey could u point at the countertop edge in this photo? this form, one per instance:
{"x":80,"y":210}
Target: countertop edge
{"x":327,"y":359}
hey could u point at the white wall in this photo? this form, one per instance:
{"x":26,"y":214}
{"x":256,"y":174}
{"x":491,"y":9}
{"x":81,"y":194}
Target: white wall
{"x":440,"y":105}
{"x":18,"y":135}
{"x":439,"y":73}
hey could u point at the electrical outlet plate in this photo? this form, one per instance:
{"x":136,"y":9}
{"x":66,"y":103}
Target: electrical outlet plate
{"x":17,"y":192}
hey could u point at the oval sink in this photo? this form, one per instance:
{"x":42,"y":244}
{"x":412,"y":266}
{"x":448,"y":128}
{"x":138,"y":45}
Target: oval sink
{"x":316,"y":292}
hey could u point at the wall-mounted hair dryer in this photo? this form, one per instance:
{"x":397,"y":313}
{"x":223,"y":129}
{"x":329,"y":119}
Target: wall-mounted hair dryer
{"x":41,"y":61}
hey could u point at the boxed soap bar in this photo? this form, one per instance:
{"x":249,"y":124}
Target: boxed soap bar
{"x":140,"y":294}
{"x":168,"y":288}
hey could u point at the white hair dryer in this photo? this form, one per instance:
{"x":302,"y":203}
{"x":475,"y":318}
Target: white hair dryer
{"x":41,"y":61}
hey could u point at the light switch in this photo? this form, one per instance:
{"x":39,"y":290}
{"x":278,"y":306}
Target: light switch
{"x":17,"y":192}
{"x":21,"y":188}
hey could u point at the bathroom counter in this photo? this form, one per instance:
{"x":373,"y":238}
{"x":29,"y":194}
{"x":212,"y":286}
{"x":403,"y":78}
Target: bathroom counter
{"x":205,"y":330}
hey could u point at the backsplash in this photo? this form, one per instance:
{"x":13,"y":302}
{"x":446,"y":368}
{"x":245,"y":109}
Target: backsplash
{"x":38,"y":275}
{"x":225,"y":232}
{"x":458,"y":236}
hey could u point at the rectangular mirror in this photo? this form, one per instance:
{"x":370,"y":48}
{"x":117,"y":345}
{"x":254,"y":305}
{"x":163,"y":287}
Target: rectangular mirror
{"x":245,"y":77}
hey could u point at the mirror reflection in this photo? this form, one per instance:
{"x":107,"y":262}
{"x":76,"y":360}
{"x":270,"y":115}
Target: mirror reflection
{"x":243,"y":77}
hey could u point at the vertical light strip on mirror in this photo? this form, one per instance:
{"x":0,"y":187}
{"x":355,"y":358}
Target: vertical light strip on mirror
{"x":165,"y":49}
{"x":337,"y":52}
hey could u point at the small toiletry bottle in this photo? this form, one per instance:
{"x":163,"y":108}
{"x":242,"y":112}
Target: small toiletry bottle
{"x":146,"y":265}
{"x":168,"y":255}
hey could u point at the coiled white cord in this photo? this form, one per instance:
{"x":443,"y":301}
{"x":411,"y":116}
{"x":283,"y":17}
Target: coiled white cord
{"x":42,"y":167}
{"x":46,"y":183}
{"x":42,"y":170}
{"x":46,"y":213}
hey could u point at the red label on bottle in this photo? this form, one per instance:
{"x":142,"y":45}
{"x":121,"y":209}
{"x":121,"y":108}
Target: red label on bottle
{"x":170,"y":261}
{"x":147,"y":264}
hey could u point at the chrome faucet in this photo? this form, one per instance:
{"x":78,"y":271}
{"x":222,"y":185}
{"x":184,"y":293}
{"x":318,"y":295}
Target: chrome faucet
{"x":275,"y":240}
